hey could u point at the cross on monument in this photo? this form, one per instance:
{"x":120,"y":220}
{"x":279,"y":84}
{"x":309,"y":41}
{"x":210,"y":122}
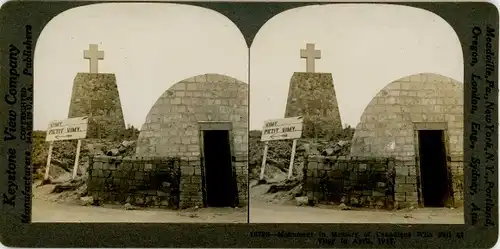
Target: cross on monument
{"x":93,"y":55}
{"x":310,"y":54}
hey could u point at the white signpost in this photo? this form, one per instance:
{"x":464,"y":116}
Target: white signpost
{"x":281,"y":129}
{"x":69,"y":129}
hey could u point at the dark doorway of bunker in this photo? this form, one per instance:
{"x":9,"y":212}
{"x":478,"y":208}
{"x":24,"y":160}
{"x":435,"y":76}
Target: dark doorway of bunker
{"x":219,"y":178}
{"x":433,"y":167}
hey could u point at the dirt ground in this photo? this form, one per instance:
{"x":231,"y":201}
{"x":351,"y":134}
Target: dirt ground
{"x":267,"y":208}
{"x":47,"y":208}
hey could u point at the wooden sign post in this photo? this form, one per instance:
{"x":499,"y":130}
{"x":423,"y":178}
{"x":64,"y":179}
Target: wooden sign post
{"x":263,"y":167}
{"x":47,"y":168}
{"x":77,"y":157}
{"x":290,"y":168}
{"x":281,"y":129}
{"x":69,"y":129}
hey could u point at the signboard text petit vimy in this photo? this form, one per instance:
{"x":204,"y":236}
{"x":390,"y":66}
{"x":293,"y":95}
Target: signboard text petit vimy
{"x":280,"y":129}
{"x":69,"y":129}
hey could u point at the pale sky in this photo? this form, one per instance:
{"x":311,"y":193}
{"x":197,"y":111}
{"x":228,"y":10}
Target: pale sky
{"x":149,"y":47}
{"x":365,"y":47}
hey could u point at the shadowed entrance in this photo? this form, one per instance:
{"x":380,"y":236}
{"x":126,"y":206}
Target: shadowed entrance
{"x":434,"y":173}
{"x":220,"y":183}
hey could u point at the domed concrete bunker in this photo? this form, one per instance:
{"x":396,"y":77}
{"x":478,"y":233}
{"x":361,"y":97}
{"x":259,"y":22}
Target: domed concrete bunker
{"x":203,"y":119}
{"x":418,"y":118}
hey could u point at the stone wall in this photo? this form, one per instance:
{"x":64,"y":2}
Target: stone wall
{"x":312,"y":95}
{"x":364,"y":182}
{"x":172,"y":127}
{"x":138,"y":181}
{"x":97,"y":96}
{"x":456,"y":168}
{"x":388,"y":126}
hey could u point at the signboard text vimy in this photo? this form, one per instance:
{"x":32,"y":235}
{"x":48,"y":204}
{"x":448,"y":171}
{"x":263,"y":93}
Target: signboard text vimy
{"x":281,"y":129}
{"x":69,"y":129}
{"x":73,"y":128}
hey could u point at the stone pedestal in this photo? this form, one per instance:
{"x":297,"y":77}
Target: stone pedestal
{"x":312,"y":96}
{"x":96,"y":95}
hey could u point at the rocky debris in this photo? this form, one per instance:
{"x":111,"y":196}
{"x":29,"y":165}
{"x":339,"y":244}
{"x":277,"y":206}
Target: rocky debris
{"x":379,"y":204}
{"x":343,"y":206}
{"x":279,"y":152}
{"x":340,"y":147}
{"x":128,"y":206}
{"x":69,"y":185}
{"x":112,"y":152}
{"x":86,"y":200}
{"x":253,"y":183}
{"x":354,"y":201}
{"x":302,"y":200}
{"x":281,"y":187}
{"x":123,"y":148}
{"x":95,"y":149}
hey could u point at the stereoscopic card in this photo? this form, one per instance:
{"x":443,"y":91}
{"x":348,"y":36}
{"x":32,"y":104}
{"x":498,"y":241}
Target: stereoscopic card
{"x":249,"y":124}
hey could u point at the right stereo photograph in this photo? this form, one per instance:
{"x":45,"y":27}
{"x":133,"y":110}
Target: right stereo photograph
{"x":356,"y":116}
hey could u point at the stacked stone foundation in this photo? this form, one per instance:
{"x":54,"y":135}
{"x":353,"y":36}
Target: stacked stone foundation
{"x":192,"y":181}
{"x":165,"y":182}
{"x":140,"y":181}
{"x":363,"y":182}
{"x":380,"y":182}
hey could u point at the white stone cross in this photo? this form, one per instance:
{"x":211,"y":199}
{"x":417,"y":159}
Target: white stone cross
{"x":310,"y":54}
{"x":93,"y":55}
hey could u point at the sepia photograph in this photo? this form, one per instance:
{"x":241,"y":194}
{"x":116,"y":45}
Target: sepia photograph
{"x":356,"y":116}
{"x":249,"y":124}
{"x":140,"y":115}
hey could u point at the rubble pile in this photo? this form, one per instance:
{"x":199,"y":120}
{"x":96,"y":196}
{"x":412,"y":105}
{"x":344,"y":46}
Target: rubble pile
{"x":278,"y":158}
{"x":279,"y":154}
{"x":63,"y":159}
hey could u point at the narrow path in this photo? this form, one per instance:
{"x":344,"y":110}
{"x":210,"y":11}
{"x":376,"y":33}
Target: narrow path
{"x":263,"y":212}
{"x":46,"y":211}
{"x":46,"y":208}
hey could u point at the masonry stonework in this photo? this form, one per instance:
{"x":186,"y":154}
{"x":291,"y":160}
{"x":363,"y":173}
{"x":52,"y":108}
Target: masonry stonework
{"x":362,"y":182}
{"x":389,"y":124}
{"x":172,"y":128}
{"x":312,"y":95}
{"x":140,"y":181}
{"x":96,"y":95}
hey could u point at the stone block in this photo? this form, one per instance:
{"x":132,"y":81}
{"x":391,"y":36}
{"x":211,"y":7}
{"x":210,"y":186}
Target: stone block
{"x":362,"y":167}
{"x":98,"y":165}
{"x":402,"y":170}
{"x":411,"y":179}
{"x":187,"y":170}
{"x":412,"y":171}
{"x":412,"y":199}
{"x":403,"y":188}
{"x":312,"y":165}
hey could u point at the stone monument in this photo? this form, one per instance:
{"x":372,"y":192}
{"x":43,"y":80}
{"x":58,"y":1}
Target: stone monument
{"x":203,"y":119}
{"x":312,"y":95}
{"x":96,"y":95}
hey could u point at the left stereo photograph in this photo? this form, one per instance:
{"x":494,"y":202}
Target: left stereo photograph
{"x":140,"y":117}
